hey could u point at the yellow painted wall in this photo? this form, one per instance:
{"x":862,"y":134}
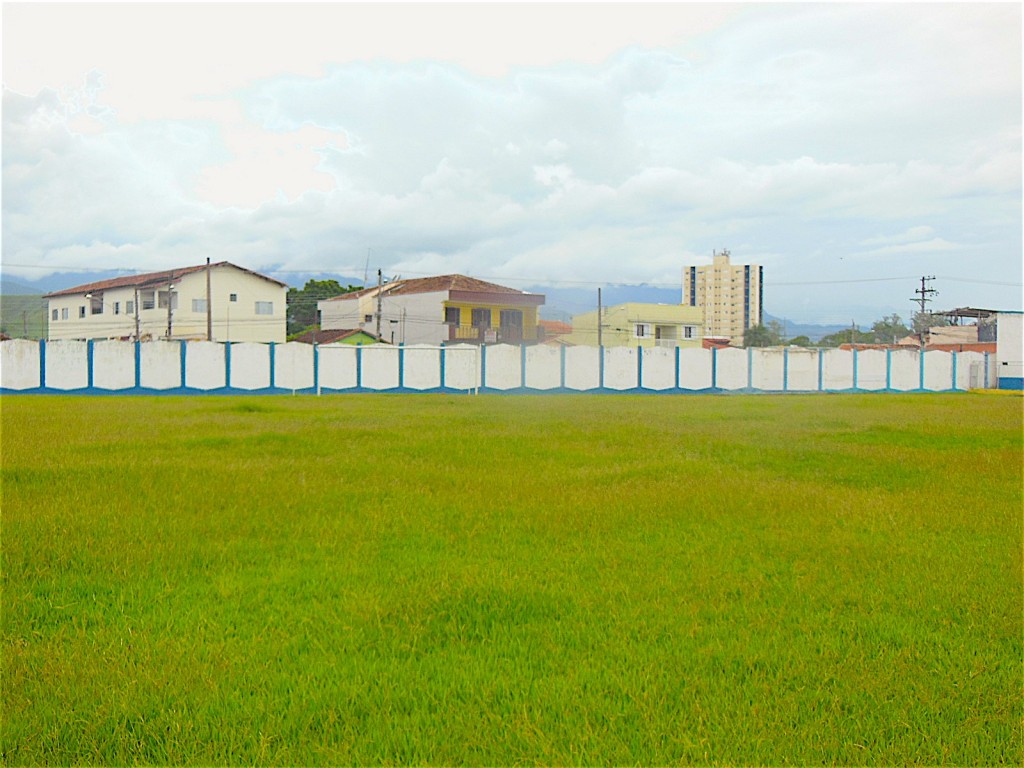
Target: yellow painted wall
{"x":466,"y":316}
{"x":619,"y":323}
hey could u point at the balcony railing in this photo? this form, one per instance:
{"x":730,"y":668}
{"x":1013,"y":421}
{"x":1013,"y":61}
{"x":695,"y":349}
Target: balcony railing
{"x":475,"y":335}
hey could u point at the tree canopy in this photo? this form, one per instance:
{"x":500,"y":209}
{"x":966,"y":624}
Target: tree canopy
{"x":302,"y":311}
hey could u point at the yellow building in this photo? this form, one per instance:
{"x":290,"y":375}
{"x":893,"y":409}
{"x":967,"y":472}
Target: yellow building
{"x":730,"y":296}
{"x":639,"y":325}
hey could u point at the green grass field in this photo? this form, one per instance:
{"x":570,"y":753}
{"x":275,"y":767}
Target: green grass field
{"x":388,"y":579}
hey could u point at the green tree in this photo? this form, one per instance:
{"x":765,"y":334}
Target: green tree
{"x":889,"y":329}
{"x":850,"y":335}
{"x":800,"y":341}
{"x":763,"y":335}
{"x":924,"y":320}
{"x":302,"y":310}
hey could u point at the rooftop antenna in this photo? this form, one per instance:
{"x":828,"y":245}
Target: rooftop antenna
{"x":366,"y":269}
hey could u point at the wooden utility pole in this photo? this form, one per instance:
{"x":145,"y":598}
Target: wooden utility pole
{"x":599,"y":318}
{"x":924,"y":295}
{"x":380,"y":298}
{"x":170,"y":287}
{"x":137,"y":337}
{"x":209,"y":305}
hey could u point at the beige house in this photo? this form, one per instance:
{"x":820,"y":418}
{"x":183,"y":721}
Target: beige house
{"x":232,"y":303}
{"x":432,"y":310}
{"x":730,"y":295}
{"x":639,"y":325}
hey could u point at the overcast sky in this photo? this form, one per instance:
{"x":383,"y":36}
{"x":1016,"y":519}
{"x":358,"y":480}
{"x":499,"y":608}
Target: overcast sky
{"x":848,"y":148}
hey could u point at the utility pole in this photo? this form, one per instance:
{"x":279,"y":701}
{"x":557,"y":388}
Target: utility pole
{"x":24,"y":323}
{"x":380,"y":298}
{"x":209,"y":306}
{"x":170,"y":286}
{"x":137,"y":337}
{"x":599,"y":317}
{"x":924,"y":295}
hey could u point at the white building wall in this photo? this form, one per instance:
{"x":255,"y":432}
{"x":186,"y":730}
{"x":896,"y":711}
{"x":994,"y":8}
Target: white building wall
{"x":19,"y":364}
{"x":768,"y":369}
{"x":904,"y":370}
{"x":232,"y":320}
{"x":837,"y":370}
{"x":938,"y":370}
{"x":1010,"y":345}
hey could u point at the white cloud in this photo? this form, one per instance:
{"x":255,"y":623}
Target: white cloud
{"x":829,"y":141}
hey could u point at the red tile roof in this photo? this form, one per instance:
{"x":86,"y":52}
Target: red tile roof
{"x":150,"y":278}
{"x":330,"y":336}
{"x":432,"y":285}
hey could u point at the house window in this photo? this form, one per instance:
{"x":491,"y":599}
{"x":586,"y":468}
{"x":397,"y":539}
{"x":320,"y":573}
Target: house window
{"x":199,"y":305}
{"x":233,"y":297}
{"x":367,"y":318}
{"x":481,"y":318}
{"x":162,"y":299}
{"x":687,"y":331}
{"x":64,"y":313}
{"x":452,"y":315}
{"x":96,"y":305}
{"x":129,"y":307}
{"x":264,"y":307}
{"x":81,"y":312}
{"x":54,"y":313}
{"x":642,"y":330}
{"x":148,"y":299}
{"x":117,"y":307}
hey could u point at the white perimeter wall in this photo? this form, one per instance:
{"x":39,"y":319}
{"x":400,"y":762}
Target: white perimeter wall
{"x":499,"y":367}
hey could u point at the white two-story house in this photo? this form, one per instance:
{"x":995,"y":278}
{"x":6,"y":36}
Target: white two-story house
{"x":218,"y":302}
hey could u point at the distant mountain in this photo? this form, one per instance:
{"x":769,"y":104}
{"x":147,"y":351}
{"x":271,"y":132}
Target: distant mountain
{"x":10,"y":287}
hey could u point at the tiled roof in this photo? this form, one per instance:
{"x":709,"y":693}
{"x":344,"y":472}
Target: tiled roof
{"x":432,"y":285}
{"x":149,"y":278}
{"x":554,"y":327}
{"x":330,"y":336}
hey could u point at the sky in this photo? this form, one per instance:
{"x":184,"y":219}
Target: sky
{"x":849,"y":149}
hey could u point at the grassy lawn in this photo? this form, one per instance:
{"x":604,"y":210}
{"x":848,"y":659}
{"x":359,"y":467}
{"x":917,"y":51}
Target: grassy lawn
{"x":512,"y":580}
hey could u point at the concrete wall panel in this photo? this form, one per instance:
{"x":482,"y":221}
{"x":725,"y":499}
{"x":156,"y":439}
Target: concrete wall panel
{"x":938,"y":371}
{"x":293,"y":366}
{"x":462,"y":366}
{"x":768,"y":368}
{"x":67,"y":365}
{"x":250,"y":366}
{"x":19,"y":364}
{"x":337,"y":368}
{"x":871,"y":373}
{"x":659,"y":368}
{"x":620,"y":367}
{"x":694,"y":368}
{"x":422,"y":368}
{"x":581,"y":368}
{"x":160,"y":362}
{"x":204,"y":365}
{"x":904,"y":370}
{"x":543,"y":367}
{"x":802,"y":367}
{"x":380,"y":367}
{"x":503,"y":367}
{"x":836,"y":370}
{"x":113,"y":365}
{"x":731,"y":368}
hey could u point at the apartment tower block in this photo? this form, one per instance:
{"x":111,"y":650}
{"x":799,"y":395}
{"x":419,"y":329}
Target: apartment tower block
{"x":729,"y":294}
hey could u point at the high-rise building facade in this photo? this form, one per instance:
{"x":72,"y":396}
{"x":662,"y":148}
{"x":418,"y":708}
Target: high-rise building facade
{"x":729,"y":294}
